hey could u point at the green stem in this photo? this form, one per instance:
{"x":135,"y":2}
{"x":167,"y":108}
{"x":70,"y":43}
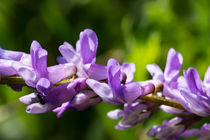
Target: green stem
{"x":16,"y":80}
{"x":12,"y":80}
{"x":162,"y":101}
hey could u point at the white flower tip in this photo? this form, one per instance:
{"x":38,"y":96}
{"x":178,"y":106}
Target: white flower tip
{"x":37,"y":108}
{"x":115,"y":114}
{"x":90,"y":82}
{"x":35,"y":43}
{"x":25,"y":100}
{"x":87,"y":66}
{"x":28,"y":99}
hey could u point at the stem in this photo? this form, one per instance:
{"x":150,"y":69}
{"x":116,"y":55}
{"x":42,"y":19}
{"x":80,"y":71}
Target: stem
{"x":12,"y":80}
{"x":162,"y":101}
{"x":17,"y":80}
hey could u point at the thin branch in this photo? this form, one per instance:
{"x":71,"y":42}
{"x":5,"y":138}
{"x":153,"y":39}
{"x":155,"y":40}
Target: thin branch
{"x":162,"y":101}
{"x":12,"y":80}
{"x":16,"y":80}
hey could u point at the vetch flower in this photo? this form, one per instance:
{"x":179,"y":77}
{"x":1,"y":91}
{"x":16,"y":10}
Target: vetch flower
{"x":81,"y":101}
{"x":205,"y":132}
{"x":39,"y":70}
{"x":171,"y":73}
{"x":55,"y":98}
{"x":133,"y":113}
{"x":174,"y":128}
{"x":15,"y":56}
{"x":7,"y":59}
{"x":193,"y":94}
{"x":84,"y":99}
{"x":119,"y":89}
{"x":42,"y":78}
{"x":84,"y":57}
{"x":6,"y":68}
{"x":168,"y":78}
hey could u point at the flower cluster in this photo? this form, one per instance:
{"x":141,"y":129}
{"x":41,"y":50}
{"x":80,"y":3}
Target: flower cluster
{"x":77,"y":82}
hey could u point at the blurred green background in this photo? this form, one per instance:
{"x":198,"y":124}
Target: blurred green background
{"x":139,"y":31}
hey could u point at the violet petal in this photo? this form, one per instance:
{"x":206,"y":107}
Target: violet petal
{"x":60,"y":110}
{"x":6,"y":68}
{"x":69,"y":53}
{"x":193,"y":80}
{"x":37,"y":108}
{"x":173,"y":65}
{"x":104,"y":91}
{"x":115,"y":114}
{"x":206,"y":81}
{"x":129,"y":69}
{"x":84,"y":99}
{"x":133,"y":114}
{"x":59,"y":72}
{"x":97,"y":72}
{"x":132,"y":91}
{"x":39,"y":59}
{"x":155,"y":71}
{"x":204,"y":132}
{"x":190,"y":133}
{"x":27,"y":73}
{"x":114,"y":78}
{"x":28,"y":99}
{"x":88,"y":46}
{"x":10,"y":55}
{"x":43,"y":86}
{"x":60,"y":94}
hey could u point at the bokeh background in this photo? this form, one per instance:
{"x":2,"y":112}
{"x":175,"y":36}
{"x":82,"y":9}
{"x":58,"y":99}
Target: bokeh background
{"x":139,"y":31}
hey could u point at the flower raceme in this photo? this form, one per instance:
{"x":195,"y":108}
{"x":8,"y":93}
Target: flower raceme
{"x":194,"y":94}
{"x":85,"y":83}
{"x":168,"y":78}
{"x":119,"y":89}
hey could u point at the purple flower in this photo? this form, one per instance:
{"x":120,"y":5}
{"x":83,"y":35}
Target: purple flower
{"x":38,"y":72}
{"x":42,"y":78}
{"x":205,"y":132}
{"x":55,"y":97}
{"x":70,"y":95}
{"x":7,"y":59}
{"x":169,"y":77}
{"x":120,"y":89}
{"x":133,"y":113}
{"x":175,"y":128}
{"x":15,"y":56}
{"x":38,"y":68}
{"x":193,"y":94}
{"x":84,"y":56}
{"x":84,"y":99}
{"x":6,"y":68}
{"x":81,"y":101}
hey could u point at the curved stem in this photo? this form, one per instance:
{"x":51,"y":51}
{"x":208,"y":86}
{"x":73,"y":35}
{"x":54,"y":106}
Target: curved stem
{"x":17,"y":80}
{"x":162,"y":101}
